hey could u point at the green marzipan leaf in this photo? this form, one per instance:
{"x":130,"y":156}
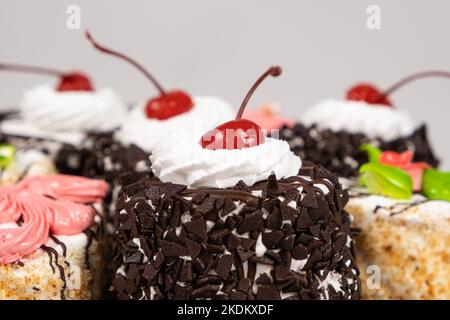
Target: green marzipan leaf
{"x":386,"y":180}
{"x":436,"y":184}
{"x":7,"y":153}
{"x":373,"y":152}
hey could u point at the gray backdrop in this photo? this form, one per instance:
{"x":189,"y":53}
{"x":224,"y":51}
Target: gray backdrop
{"x":220,"y":47}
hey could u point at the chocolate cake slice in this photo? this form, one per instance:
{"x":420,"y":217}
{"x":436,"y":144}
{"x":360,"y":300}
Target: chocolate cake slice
{"x":278,"y":239}
{"x":339,"y":151}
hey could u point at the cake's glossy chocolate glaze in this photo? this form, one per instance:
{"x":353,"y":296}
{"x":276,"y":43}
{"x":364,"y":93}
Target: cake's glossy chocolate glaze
{"x":280,"y":239}
{"x":339,"y":151}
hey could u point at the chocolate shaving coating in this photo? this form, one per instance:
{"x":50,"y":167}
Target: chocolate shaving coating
{"x":339,"y":151}
{"x":101,"y":156}
{"x":232,"y":244}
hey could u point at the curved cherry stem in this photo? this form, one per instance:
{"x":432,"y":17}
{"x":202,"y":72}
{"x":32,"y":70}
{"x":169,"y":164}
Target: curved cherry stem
{"x":32,"y":69}
{"x":273,"y":71}
{"x":413,"y":77}
{"x":128,"y":59}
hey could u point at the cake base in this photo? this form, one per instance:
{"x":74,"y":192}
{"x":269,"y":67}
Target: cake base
{"x":67,"y":267}
{"x":285,"y":239}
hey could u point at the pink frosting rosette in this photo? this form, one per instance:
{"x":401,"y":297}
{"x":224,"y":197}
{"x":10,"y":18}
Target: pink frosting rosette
{"x":39,"y":206}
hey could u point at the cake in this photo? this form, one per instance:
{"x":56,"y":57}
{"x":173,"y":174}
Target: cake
{"x":331,"y":132}
{"x":403,"y":211}
{"x":62,"y":117}
{"x":231,"y":217}
{"x":51,"y":231}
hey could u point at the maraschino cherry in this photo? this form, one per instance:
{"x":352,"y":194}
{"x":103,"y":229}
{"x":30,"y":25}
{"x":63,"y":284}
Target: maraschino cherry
{"x":73,"y":81}
{"x":372,"y":95}
{"x":368,"y":93}
{"x":168,"y":104}
{"x":239,"y":133}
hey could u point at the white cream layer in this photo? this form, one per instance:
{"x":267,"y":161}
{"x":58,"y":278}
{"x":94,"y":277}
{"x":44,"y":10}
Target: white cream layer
{"x":375,"y":121}
{"x":51,"y":110}
{"x":207,"y":113}
{"x":181,"y":159}
{"x":433,"y":211}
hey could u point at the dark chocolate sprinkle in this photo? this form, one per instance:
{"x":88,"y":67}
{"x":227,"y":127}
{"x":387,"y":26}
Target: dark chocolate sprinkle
{"x":224,"y":265}
{"x":244,"y":255}
{"x":271,"y":239}
{"x":272,"y":186}
{"x":268,"y":292}
{"x":228,"y":207}
{"x":172,"y":248}
{"x":241,"y":186}
{"x":186,"y":272}
{"x":198,"y":227}
{"x":232,"y":242}
{"x":300,"y":252}
{"x":251,"y":222}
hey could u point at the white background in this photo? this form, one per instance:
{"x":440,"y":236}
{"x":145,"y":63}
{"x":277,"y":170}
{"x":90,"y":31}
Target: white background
{"x":220,"y":47}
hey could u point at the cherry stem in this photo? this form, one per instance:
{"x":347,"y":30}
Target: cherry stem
{"x":32,"y":69}
{"x":413,"y":77}
{"x":273,"y":71}
{"x":126,"y":58}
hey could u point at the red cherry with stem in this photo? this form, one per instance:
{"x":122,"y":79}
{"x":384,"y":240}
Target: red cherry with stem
{"x":239,"y":133}
{"x":74,"y":81}
{"x":370,"y":94}
{"x":168,"y":104}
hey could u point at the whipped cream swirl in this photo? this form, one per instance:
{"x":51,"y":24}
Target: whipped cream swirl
{"x":182,"y":160}
{"x":208,"y":112}
{"x":49,"y":109}
{"x":375,"y":121}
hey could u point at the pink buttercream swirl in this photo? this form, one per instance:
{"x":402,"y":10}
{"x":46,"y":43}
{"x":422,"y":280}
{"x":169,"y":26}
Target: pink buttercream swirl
{"x":39,"y":206}
{"x":71,"y":188}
